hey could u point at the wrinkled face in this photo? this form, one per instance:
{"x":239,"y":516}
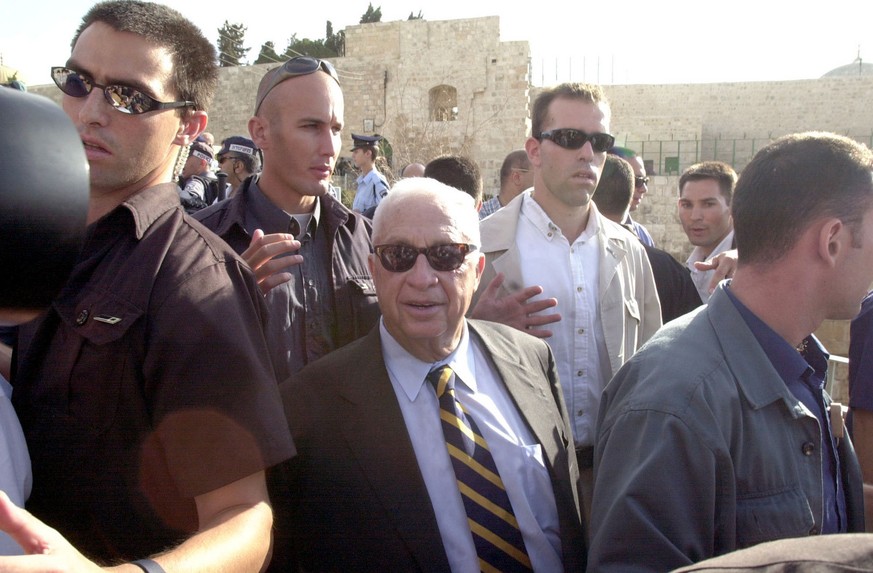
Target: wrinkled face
{"x":704,"y":214}
{"x":298,"y":130}
{"x":422,"y":308}
{"x":569,"y":175}
{"x":126,"y":153}
{"x":639,"y":168}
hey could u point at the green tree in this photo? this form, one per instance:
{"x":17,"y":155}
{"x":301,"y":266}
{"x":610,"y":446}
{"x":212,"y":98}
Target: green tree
{"x":412,"y":16}
{"x":372,"y":15}
{"x":335,"y":43}
{"x":306,"y":47}
{"x":231,"y":49}
{"x":268,"y":54}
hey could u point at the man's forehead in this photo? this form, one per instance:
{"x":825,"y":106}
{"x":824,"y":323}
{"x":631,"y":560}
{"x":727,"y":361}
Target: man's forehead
{"x":411,"y":221}
{"x":113,"y":56}
{"x":572,"y":112}
{"x":702,"y":189}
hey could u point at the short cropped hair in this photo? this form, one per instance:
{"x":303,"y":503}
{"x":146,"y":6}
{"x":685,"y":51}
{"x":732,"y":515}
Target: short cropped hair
{"x":417,"y":189}
{"x":195,"y":62}
{"x":616,"y":187}
{"x":794,"y":181}
{"x":517,"y":159}
{"x":457,"y":171}
{"x":590,"y":93}
{"x":722,"y":173}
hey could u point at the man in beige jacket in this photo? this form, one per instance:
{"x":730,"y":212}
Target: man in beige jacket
{"x":592,"y":271}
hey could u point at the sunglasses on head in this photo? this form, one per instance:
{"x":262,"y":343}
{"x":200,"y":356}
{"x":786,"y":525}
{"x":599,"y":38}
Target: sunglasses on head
{"x":401,"y":258}
{"x":574,"y":139}
{"x":639,"y":181}
{"x":299,"y":66}
{"x":125,"y":99}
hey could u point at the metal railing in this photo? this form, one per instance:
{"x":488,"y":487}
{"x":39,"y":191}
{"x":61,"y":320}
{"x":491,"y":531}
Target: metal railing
{"x":672,"y":156}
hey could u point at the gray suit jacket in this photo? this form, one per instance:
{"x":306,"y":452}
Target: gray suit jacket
{"x":354,"y":500}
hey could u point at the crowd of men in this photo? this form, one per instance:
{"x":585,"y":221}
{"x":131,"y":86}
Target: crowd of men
{"x":278,"y":382}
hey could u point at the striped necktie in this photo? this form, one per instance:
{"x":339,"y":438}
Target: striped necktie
{"x":498,"y":540}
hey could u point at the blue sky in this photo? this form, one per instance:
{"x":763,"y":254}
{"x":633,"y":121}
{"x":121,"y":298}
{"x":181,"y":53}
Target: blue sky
{"x":634,"y":41}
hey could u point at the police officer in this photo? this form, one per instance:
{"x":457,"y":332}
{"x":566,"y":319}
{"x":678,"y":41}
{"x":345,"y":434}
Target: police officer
{"x":372,"y":185}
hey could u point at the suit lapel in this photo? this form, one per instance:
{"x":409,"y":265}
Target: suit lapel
{"x":534,"y":402}
{"x":374,"y":429}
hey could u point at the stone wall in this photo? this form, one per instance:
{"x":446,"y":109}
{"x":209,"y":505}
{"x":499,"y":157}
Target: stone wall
{"x":390,"y":67}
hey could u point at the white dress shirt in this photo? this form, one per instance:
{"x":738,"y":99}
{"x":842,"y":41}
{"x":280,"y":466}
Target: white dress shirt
{"x":571,"y":274}
{"x":703,"y":278}
{"x":516,"y":453}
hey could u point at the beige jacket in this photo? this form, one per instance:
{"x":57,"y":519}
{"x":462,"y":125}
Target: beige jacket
{"x":629,"y":305}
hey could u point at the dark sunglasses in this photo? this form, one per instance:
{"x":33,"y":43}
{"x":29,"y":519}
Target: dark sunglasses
{"x":299,"y":66}
{"x":401,"y":258}
{"x":123,"y":98}
{"x":639,"y":181}
{"x":574,"y":139}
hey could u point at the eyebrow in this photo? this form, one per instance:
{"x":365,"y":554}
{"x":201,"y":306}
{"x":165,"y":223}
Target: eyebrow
{"x":71,"y":64}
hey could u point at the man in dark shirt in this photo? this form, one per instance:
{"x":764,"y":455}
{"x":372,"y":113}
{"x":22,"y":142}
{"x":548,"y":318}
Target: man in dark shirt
{"x":145,"y":392}
{"x":613,"y":196}
{"x":718,"y":434}
{"x":308,"y":251}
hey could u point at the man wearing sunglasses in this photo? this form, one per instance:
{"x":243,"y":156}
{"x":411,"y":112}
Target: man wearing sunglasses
{"x":145,"y":392}
{"x":375,"y":487}
{"x":239,"y":157}
{"x":593,"y":270}
{"x":641,"y":187}
{"x":308,"y":251}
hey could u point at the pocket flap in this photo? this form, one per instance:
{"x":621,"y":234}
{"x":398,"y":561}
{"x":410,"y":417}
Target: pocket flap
{"x":767,"y":516}
{"x":101,"y":317}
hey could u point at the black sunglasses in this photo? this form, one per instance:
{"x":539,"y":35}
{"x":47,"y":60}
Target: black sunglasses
{"x":299,"y":66}
{"x":123,"y":98}
{"x":401,"y":258}
{"x":639,"y":181}
{"x":574,"y":139}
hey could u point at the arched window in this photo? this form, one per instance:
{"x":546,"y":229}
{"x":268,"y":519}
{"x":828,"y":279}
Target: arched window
{"x":443,"y":103}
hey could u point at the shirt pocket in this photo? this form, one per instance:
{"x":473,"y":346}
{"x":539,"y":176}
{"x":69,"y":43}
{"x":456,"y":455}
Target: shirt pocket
{"x":768,"y":516}
{"x":365,"y":305}
{"x":104,"y":363}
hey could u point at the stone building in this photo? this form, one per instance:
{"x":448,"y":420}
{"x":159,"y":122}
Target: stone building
{"x":434,"y":87}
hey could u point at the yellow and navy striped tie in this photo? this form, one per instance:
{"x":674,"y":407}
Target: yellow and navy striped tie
{"x":498,"y":540}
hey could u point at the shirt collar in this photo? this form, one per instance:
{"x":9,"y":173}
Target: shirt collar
{"x":266,"y":213}
{"x":534,"y":213}
{"x":790,"y":363}
{"x":696,"y":254}
{"x":410,"y":373}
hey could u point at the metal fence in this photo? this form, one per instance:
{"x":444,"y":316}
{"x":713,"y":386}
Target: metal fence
{"x":672,"y":156}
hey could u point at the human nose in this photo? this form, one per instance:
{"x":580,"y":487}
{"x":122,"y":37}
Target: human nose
{"x":421,"y":275}
{"x":93,"y":108}
{"x":586,"y":152}
{"x":331,"y":144}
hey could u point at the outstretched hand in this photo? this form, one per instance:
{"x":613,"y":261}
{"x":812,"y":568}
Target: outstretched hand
{"x":516,"y":309}
{"x":265,"y":256}
{"x":724,"y":264}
